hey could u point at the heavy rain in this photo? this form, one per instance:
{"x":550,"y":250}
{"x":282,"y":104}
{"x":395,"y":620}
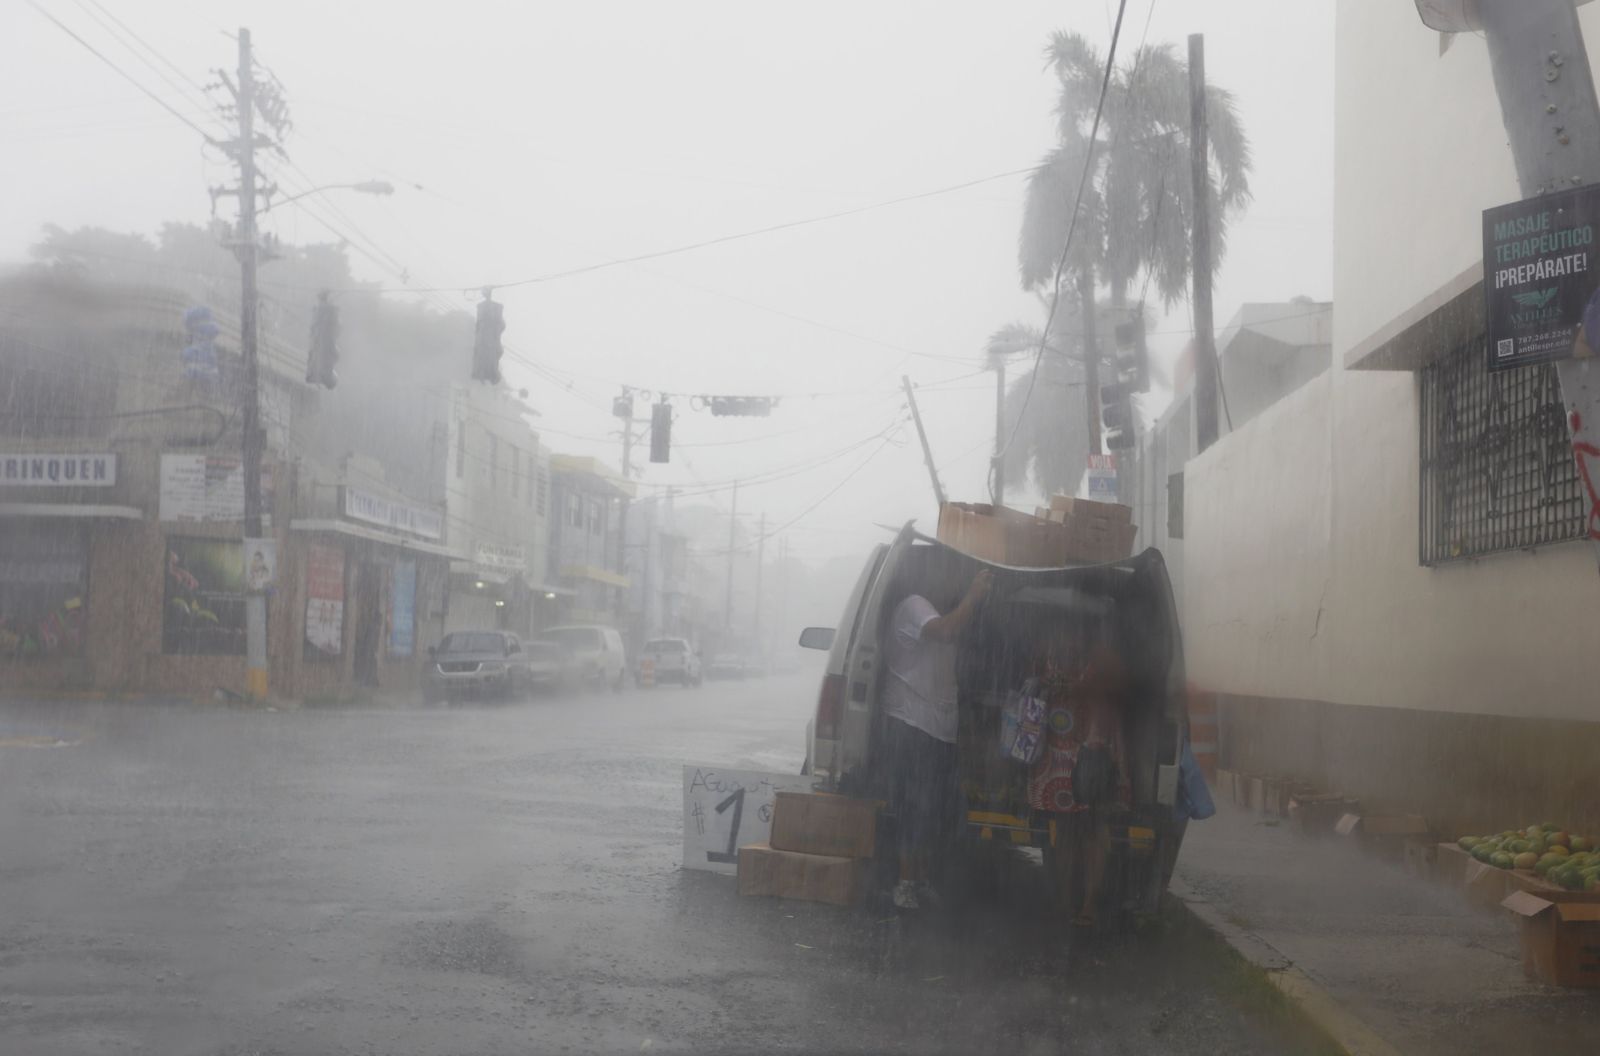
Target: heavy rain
{"x":561,"y":528}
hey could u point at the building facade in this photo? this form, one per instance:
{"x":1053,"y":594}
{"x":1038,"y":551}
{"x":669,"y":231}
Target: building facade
{"x":1384,"y":572}
{"x":585,"y":552}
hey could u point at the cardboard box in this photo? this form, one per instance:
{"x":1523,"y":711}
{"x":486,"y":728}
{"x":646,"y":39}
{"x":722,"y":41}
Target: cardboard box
{"x":1316,"y":814}
{"x":1002,"y":535}
{"x":1222,"y":787}
{"x":809,"y":877}
{"x":1450,"y":864}
{"x":1420,"y":857}
{"x":818,"y":823}
{"x":1486,"y":886}
{"x":1065,"y":507}
{"x":1383,"y":834}
{"x":1560,"y":940}
{"x":1257,"y":794}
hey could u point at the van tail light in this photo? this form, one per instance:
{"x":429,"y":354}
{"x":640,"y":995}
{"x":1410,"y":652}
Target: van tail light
{"x":830,"y":707}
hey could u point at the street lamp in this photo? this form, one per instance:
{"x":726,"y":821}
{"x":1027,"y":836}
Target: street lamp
{"x":364,"y":187}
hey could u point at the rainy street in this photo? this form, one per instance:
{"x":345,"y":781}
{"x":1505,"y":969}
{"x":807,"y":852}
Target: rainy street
{"x":498,"y":880}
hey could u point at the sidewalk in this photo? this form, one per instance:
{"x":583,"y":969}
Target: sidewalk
{"x":1396,"y":957}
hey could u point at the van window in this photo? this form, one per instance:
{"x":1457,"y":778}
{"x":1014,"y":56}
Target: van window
{"x":577,"y":639}
{"x":664,"y":645}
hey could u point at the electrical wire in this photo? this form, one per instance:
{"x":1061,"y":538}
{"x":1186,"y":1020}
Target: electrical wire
{"x":97,"y":53}
{"x":1072,"y":226}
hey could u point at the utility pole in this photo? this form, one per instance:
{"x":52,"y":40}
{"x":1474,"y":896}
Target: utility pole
{"x":927,"y":453}
{"x":761,"y":552}
{"x":999,"y":431}
{"x":627,"y":447}
{"x":1552,"y":120}
{"x":733,"y":523}
{"x":248,"y":248}
{"x":1205,"y":340}
{"x":1091,"y":360}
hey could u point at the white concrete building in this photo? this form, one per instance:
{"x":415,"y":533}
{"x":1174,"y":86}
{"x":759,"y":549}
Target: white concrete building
{"x":1383,"y":572}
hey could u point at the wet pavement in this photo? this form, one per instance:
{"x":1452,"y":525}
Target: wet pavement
{"x":180,"y":880}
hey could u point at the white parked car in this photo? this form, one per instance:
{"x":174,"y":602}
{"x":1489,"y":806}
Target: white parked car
{"x":673,"y":659}
{"x":598,"y":659}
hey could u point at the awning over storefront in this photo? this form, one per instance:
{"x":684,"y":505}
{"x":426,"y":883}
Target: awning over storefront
{"x":472,"y":570}
{"x":373,"y":535}
{"x":69,"y":509}
{"x":595,"y":574}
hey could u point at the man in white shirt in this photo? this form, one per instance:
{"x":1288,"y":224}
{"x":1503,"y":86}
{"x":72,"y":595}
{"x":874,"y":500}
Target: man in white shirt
{"x":920,"y":734}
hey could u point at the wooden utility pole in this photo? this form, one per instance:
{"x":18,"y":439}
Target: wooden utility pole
{"x":1205,"y":342}
{"x":927,"y":452}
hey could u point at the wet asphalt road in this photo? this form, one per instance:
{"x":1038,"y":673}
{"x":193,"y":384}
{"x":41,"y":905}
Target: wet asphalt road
{"x":178,"y":880}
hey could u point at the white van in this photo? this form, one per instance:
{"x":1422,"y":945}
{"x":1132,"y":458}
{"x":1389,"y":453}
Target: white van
{"x":1132,"y":599}
{"x":597,"y":654}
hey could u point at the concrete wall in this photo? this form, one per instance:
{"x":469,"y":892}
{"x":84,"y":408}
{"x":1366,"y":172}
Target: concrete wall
{"x":1465,"y":690}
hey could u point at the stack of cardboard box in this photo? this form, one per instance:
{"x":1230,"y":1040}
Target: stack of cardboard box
{"x":1095,"y":531}
{"x":1069,"y":531}
{"x":820,"y":850}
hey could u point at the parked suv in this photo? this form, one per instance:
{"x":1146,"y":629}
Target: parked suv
{"x":674,"y":660}
{"x":597,"y":654}
{"x":477,"y":664}
{"x":1130,"y":599}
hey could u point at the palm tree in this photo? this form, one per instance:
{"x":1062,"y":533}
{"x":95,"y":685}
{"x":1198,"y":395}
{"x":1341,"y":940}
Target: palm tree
{"x":1053,"y":445}
{"x":1137,"y":205}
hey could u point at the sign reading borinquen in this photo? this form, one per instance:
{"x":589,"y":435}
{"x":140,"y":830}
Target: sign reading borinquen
{"x":1540,"y":270}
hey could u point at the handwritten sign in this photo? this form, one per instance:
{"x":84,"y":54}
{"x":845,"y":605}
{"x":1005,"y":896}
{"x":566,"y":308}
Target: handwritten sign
{"x":724,"y":810}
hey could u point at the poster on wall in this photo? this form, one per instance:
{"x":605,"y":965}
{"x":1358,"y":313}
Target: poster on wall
{"x":204,"y":610}
{"x":403,"y":608}
{"x":202,"y":488}
{"x":324,"y":602}
{"x":261,"y":565}
{"x":1539,"y":279}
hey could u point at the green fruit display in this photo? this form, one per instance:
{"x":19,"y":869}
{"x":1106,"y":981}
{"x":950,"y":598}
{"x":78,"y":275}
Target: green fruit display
{"x":1547,"y":863}
{"x":1501,"y":860}
{"x":1581,"y":843}
{"x":1538,"y":845}
{"x":1466,"y":843}
{"x":1525,"y":860}
{"x":1557,"y":848}
{"x":1550,"y":826}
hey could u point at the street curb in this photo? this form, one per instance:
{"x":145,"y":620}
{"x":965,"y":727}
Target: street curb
{"x":1352,"y":1035}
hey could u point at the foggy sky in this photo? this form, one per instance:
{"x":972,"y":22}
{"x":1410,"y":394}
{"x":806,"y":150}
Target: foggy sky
{"x":552,"y":136}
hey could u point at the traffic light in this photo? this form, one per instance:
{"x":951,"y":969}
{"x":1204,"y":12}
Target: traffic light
{"x":1132,"y":357}
{"x":486,"y":350}
{"x":324,"y":357}
{"x":742,"y":406}
{"x":661,"y":432}
{"x":622,"y":406}
{"x":1116,"y":415}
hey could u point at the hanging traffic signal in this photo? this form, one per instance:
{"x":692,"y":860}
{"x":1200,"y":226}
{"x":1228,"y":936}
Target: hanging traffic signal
{"x":324,"y":357}
{"x":660,"y":432}
{"x":741,"y":406}
{"x":1132,"y":356}
{"x":1116,"y":415}
{"x":486,"y":349}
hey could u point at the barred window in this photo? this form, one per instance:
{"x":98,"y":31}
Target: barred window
{"x":1497,"y":469}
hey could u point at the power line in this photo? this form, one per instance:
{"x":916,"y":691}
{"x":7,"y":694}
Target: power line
{"x":125,"y":74}
{"x":1072,"y":226}
{"x":719,"y":240}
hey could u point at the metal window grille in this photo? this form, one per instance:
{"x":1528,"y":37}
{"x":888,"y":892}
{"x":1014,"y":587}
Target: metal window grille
{"x":1496,"y":461}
